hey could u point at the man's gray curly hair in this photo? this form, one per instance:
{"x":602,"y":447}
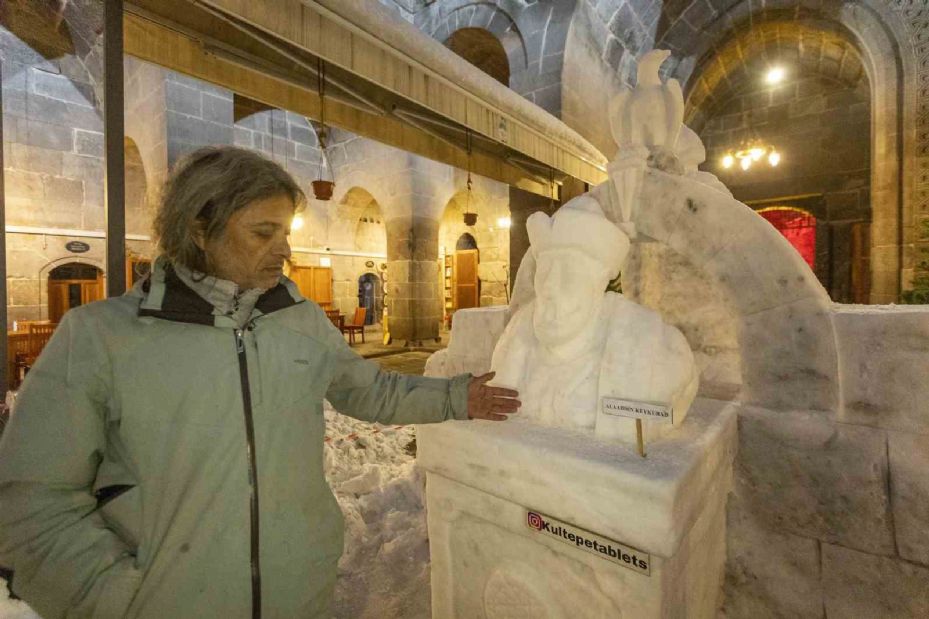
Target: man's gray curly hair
{"x":205,"y":188}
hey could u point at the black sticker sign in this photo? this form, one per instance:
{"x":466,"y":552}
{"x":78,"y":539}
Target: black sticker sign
{"x":77,"y":247}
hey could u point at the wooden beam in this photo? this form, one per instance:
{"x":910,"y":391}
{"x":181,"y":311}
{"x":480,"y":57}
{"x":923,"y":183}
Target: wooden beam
{"x":180,"y":52}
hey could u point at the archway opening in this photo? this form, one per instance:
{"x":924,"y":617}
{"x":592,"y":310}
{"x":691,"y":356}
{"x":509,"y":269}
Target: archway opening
{"x":482,"y":49}
{"x":371,"y":297}
{"x":465,"y":242}
{"x":71,"y":285}
{"x":798,"y":138}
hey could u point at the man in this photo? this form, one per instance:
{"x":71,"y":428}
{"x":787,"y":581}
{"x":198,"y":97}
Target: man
{"x":165,"y":455}
{"x":574,"y":344}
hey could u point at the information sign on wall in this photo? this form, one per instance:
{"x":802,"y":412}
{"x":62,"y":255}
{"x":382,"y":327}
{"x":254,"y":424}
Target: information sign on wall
{"x":77,"y":247}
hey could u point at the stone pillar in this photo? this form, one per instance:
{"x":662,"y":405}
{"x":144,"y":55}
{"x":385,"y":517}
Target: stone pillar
{"x":413,"y":299}
{"x":522,"y":205}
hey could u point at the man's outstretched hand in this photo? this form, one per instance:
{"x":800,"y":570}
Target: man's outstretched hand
{"x":494,"y":403}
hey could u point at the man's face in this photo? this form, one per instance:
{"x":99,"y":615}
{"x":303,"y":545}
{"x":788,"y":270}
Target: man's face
{"x":569,"y":290}
{"x":253,"y":248}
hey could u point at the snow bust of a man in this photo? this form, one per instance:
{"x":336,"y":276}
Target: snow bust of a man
{"x":574,"y":344}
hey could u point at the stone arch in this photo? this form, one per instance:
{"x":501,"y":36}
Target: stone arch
{"x":823,"y":48}
{"x":491,"y":19}
{"x":847,"y":45}
{"x":879,"y":31}
{"x":533,"y":34}
{"x":346,"y":215}
{"x":488,"y":238}
{"x":46,"y":270}
{"x":466,"y":241}
{"x":138,"y":192}
{"x":483,"y":50}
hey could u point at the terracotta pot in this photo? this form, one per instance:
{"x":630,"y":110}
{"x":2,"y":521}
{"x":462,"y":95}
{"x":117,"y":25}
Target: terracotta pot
{"x":323,"y":189}
{"x":470,"y":219}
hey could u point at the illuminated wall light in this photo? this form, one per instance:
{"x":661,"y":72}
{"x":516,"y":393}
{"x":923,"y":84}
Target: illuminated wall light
{"x":297,"y":223}
{"x":775,"y":75}
{"x":504,"y":222}
{"x":774,"y":158}
{"x":325,"y":261}
{"x":728,"y":161}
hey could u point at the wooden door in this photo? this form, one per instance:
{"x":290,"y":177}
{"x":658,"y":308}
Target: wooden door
{"x":861,"y":262}
{"x":64,"y":294}
{"x":57,"y":300}
{"x":466,"y":286}
{"x":314,"y":283}
{"x":322,"y":286}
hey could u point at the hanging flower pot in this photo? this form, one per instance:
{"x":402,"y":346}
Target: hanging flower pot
{"x":323,"y":189}
{"x":470,"y":219}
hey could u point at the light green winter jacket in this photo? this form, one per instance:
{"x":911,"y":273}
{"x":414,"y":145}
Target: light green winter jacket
{"x":162,"y":463}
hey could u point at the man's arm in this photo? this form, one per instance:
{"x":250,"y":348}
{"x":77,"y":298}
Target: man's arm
{"x":362,"y":390}
{"x":66,"y":562}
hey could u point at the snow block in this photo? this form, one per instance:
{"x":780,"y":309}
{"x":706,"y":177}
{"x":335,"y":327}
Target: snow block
{"x":546,"y":522}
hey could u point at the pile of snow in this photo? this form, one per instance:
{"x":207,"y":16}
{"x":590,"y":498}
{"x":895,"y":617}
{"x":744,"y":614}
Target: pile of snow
{"x":384,"y":572}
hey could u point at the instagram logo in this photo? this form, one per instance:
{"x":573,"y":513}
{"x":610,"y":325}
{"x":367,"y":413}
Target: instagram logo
{"x":535,"y":521}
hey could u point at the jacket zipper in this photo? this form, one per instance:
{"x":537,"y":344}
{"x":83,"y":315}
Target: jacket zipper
{"x":252,"y":472}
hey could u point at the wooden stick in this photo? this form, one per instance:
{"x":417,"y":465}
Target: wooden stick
{"x":639,"y":439}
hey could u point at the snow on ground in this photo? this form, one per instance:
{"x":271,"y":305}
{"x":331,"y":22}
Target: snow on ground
{"x":384,"y":572}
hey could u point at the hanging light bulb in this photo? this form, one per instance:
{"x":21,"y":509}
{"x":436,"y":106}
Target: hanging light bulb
{"x":746,"y":163}
{"x":774,"y":158}
{"x":297,"y":223}
{"x":775,"y":75}
{"x":756,"y":152}
{"x":728,"y":161}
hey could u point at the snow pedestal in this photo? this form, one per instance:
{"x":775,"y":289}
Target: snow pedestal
{"x":531,"y":521}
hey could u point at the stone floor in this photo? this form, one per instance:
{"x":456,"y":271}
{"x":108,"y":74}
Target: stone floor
{"x":396,"y":356}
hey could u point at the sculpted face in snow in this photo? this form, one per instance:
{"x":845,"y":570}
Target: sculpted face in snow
{"x":569,"y":293}
{"x":574,"y":344}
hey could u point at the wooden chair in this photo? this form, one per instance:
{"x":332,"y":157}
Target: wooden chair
{"x":336,"y":317}
{"x":39,"y":335}
{"x":357,"y":325}
{"x":28,"y":348}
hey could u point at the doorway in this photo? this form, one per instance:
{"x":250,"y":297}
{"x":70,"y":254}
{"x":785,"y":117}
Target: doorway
{"x":71,"y":285}
{"x":466,"y":287}
{"x":371,"y":297}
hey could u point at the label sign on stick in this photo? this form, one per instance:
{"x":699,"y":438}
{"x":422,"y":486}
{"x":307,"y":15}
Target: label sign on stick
{"x":626,"y":556}
{"x":638,"y":410}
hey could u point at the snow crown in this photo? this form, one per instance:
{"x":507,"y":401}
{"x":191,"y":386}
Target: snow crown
{"x":580,"y":225}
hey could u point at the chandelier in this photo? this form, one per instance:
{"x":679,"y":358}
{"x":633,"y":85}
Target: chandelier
{"x":749,"y":153}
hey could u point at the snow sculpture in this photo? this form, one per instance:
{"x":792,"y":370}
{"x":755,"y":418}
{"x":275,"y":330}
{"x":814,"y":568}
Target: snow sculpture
{"x":574,"y":344}
{"x":645,"y":121}
{"x":535,"y":519}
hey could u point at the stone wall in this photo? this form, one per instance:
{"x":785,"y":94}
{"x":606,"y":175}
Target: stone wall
{"x":846,"y":536}
{"x":53,"y":164}
{"x":822,"y":129}
{"x":533,"y":35}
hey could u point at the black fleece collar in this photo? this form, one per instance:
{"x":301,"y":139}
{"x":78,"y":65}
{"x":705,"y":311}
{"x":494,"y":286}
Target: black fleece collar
{"x":181,"y":304}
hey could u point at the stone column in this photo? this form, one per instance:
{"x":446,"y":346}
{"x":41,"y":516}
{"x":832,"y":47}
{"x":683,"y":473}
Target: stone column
{"x":413,"y":299}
